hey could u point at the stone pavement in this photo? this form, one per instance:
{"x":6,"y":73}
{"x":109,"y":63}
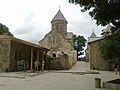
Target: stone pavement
{"x":21,"y":74}
{"x":80,"y":77}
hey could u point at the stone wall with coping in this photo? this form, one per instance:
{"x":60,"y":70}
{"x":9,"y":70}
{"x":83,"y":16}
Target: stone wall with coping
{"x":96,"y":60}
{"x":60,"y":63}
{"x":112,"y":86}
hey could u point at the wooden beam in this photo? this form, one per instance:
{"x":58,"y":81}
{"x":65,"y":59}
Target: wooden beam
{"x":38,"y":54}
{"x":31,"y":63}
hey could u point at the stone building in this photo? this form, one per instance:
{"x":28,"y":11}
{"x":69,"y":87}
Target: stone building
{"x":60,"y":43}
{"x":14,"y":50}
{"x":95,"y":57}
{"x":93,"y":54}
{"x":93,"y":37}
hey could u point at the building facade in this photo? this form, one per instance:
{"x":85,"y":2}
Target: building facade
{"x":93,"y":54}
{"x":60,"y":43}
{"x":97,"y":62}
{"x":14,"y":51}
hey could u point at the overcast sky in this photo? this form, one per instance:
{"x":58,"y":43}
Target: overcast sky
{"x":31,"y":19}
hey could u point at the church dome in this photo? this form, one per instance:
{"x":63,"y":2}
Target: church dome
{"x":93,"y":35}
{"x":59,"y":16}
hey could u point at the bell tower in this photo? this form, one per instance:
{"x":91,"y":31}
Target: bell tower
{"x":59,"y":23}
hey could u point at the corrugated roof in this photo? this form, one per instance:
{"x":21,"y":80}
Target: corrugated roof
{"x":59,"y":16}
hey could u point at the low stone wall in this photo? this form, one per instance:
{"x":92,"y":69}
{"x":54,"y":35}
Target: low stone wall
{"x":57,"y":63}
{"x":60,"y":63}
{"x":72,"y":58}
{"x":112,"y":85}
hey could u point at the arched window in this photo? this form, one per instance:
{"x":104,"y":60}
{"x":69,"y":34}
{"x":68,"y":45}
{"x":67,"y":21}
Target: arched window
{"x":53,"y":55}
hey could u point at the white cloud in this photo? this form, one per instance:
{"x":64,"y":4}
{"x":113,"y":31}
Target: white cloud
{"x":30,"y":19}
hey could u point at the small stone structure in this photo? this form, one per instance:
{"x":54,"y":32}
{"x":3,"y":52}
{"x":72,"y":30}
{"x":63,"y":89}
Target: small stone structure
{"x":17,"y":54}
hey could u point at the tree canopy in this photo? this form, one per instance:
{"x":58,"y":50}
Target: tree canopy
{"x":110,"y":47}
{"x":4,"y":30}
{"x":79,"y":44}
{"x":103,"y":11}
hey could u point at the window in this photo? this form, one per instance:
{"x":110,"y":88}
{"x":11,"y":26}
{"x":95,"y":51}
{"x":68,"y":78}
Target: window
{"x":54,"y":55}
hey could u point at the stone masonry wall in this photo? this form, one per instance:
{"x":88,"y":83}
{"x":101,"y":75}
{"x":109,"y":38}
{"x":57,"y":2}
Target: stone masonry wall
{"x":96,"y":60}
{"x":4,"y":54}
{"x":60,"y":63}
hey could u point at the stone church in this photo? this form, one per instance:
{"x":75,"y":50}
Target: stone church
{"x":60,"y":43}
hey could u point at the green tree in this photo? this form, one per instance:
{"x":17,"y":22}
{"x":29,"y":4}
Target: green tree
{"x":4,"y":30}
{"x":79,"y":44}
{"x":110,"y":47}
{"x":105,"y":12}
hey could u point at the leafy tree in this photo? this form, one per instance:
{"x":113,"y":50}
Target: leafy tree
{"x":79,"y":44}
{"x":105,"y":12}
{"x":5,"y":30}
{"x":110,"y":47}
